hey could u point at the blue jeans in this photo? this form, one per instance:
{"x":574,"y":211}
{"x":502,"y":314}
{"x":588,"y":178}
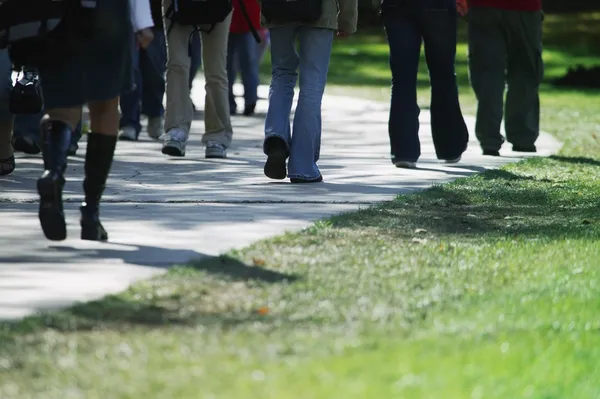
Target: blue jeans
{"x":242,"y":47}
{"x":312,"y":61}
{"x":434,"y":24}
{"x":195,"y":57}
{"x":149,"y":67}
{"x":29,"y":126}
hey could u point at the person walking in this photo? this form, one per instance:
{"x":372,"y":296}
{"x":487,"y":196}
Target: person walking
{"x":302,"y":142}
{"x":149,"y":66}
{"x":96,"y":76}
{"x":505,"y":51}
{"x":179,"y":113}
{"x":408,"y":24}
{"x":7,"y":159}
{"x":242,"y":51}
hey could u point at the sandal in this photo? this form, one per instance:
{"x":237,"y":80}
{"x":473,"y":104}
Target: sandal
{"x":7,"y":166}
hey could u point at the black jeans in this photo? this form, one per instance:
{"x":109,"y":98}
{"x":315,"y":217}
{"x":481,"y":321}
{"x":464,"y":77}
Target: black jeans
{"x":406,"y":28}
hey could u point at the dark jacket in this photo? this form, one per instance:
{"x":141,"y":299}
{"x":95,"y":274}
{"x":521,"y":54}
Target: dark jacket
{"x":414,"y":5}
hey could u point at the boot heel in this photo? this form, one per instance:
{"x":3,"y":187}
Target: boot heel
{"x":51,"y":214}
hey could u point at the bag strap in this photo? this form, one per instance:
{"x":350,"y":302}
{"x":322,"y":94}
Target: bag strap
{"x":249,"y":21}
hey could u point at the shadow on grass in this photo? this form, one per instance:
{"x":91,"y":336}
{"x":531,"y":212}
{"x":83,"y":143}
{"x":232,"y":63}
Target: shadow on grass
{"x":494,"y":205}
{"x":178,"y":298}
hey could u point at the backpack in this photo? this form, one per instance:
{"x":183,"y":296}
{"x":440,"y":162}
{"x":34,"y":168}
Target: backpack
{"x":292,"y":11}
{"x":45,"y":32}
{"x":198,"y":12}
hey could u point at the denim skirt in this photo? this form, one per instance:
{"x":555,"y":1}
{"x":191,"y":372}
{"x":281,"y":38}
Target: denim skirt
{"x":103,"y":70}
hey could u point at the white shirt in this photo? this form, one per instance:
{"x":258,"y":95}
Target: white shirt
{"x":141,"y":15}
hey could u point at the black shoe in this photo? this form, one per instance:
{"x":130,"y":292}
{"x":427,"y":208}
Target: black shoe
{"x":98,"y":161}
{"x":491,"y":153}
{"x":524,"y":148}
{"x":296,"y":180}
{"x":73,"y":149}
{"x":277,"y":155}
{"x":249,"y":109}
{"x":56,"y":139}
{"x":26,"y":145}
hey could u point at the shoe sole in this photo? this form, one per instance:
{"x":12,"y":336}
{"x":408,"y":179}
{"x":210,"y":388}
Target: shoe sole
{"x":275,"y":167}
{"x":172,"y":151}
{"x":214,"y":156}
{"x":51,"y":214}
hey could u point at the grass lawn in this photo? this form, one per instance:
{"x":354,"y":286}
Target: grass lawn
{"x":483,"y":288}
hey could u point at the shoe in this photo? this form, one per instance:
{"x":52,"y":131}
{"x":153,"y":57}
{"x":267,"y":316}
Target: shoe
{"x":98,"y":162}
{"x":156,"y":127}
{"x":215,"y":150}
{"x":277,"y":155}
{"x":405,"y":164}
{"x":491,"y":153}
{"x":452,"y":160}
{"x":296,"y":180}
{"x":524,"y":148}
{"x":73,"y":147}
{"x":249,"y":109}
{"x":26,"y":145}
{"x":128,"y":133}
{"x":56,"y":137}
{"x":7,"y":166}
{"x":174,"y":144}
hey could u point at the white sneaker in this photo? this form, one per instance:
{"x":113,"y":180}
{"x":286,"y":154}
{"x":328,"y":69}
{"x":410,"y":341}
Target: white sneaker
{"x":215,"y":149}
{"x":156,"y":127}
{"x":127,"y":133}
{"x":175,"y":141}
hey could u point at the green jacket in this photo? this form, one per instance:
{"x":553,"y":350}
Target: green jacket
{"x":337,"y":14}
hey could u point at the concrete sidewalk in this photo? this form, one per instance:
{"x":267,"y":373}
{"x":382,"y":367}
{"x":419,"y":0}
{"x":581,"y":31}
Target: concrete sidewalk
{"x":162,"y":211}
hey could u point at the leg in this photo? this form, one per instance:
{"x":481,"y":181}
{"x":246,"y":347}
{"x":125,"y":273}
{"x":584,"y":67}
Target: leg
{"x":56,"y":130}
{"x":487,"y":67}
{"x":278,"y":135}
{"x":129,"y":124}
{"x":404,"y":39}
{"x":315,"y":52}
{"x":249,"y":68}
{"x":217,"y":122}
{"x":524,"y":75}
{"x":104,"y":117}
{"x":179,"y":111}
{"x":152,"y":67}
{"x":232,"y":45}
{"x":450,"y":134}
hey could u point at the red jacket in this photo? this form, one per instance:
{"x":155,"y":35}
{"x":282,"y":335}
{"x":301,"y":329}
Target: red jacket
{"x":238,"y":21}
{"x":520,"y":5}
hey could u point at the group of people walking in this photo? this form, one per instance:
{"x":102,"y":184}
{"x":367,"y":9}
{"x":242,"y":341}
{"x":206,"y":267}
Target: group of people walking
{"x":135,"y":56}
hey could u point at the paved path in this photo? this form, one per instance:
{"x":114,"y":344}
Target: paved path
{"x":162,"y":211}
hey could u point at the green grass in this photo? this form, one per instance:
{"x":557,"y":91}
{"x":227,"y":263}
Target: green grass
{"x":483,"y":288}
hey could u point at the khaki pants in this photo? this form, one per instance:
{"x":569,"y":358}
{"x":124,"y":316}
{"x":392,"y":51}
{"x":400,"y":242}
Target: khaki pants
{"x":179,"y":112}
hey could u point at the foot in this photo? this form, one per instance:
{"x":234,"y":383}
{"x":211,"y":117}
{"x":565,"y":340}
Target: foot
{"x":249,"y":109}
{"x":156,"y":127}
{"x":51,"y":214}
{"x":26,"y":145}
{"x":277,"y":155}
{"x":73,"y":149}
{"x":491,"y":153}
{"x":296,"y":180}
{"x":174,"y":144}
{"x":452,"y":160}
{"x":215,"y":150}
{"x":524,"y":148}
{"x":405,"y":164}
{"x":91,"y":228}
{"x":7,"y":166}
{"x":128,"y":133}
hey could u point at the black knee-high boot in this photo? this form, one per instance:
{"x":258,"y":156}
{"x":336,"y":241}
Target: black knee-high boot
{"x":56,"y":137}
{"x":98,"y":161}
